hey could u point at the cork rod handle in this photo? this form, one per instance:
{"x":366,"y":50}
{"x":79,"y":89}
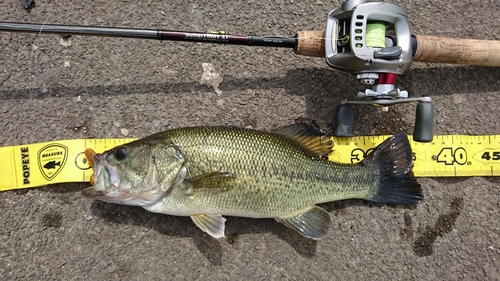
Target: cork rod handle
{"x":429,"y":49}
{"x":310,"y":43}
{"x":457,"y":51}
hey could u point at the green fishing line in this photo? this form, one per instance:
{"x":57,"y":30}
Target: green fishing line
{"x":375,"y":34}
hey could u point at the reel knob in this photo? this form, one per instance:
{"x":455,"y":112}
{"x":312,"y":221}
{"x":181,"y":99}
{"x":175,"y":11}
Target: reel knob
{"x":422,"y":131}
{"x":344,"y":121}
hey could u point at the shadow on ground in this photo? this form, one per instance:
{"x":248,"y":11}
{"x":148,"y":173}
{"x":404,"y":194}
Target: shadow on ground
{"x":309,"y":82}
{"x":323,"y":88}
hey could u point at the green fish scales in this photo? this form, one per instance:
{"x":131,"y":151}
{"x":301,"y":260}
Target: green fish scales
{"x":269,"y":175}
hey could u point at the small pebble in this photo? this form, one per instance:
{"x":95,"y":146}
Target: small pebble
{"x":125,"y":132}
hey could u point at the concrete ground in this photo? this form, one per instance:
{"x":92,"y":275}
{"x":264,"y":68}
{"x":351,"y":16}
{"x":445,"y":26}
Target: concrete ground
{"x":94,"y":87}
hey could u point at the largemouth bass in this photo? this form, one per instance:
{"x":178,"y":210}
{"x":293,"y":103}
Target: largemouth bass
{"x":208,"y":172}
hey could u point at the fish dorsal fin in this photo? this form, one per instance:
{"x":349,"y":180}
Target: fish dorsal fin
{"x":312,"y":138}
{"x":312,"y":223}
{"x":211,"y":224}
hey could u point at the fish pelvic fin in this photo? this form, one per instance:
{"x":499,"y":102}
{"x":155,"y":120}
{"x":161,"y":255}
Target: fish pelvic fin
{"x":312,"y":223}
{"x":211,"y":224}
{"x":394,"y":160}
{"x":312,"y":138}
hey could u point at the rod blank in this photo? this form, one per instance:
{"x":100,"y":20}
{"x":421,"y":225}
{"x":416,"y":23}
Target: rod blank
{"x":168,"y":35}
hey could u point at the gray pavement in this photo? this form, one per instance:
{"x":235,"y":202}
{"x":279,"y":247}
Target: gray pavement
{"x":92,"y":87}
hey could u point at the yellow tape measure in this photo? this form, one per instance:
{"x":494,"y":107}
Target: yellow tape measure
{"x":445,"y":156}
{"x":32,"y":165}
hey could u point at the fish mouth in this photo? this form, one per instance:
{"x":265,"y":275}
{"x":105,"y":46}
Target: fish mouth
{"x":90,"y":154}
{"x":105,"y":180}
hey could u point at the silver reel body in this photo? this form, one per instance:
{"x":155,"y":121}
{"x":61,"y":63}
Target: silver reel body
{"x":372,"y":40}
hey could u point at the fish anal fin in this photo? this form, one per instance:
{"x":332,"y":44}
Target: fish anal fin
{"x":211,"y":224}
{"x":312,"y":223}
{"x":312,"y":138}
{"x":212,"y":180}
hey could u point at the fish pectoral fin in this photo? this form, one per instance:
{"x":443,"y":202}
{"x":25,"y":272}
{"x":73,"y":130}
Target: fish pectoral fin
{"x":217,"y":180}
{"x":312,"y":223}
{"x":211,"y":224}
{"x":312,"y":138}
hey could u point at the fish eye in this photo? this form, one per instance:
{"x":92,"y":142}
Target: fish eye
{"x":120,"y":153}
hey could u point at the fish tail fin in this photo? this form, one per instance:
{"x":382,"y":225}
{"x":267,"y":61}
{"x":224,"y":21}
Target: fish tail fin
{"x":394,"y":160}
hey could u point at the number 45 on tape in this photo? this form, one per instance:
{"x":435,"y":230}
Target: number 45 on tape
{"x":445,"y":156}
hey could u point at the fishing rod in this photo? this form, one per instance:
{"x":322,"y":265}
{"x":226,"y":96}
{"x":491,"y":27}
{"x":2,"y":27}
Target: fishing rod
{"x":167,"y":35}
{"x":371,"y":40}
{"x":308,"y":43}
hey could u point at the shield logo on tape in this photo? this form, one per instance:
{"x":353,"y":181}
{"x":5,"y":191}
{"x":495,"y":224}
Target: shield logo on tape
{"x":51,"y":160}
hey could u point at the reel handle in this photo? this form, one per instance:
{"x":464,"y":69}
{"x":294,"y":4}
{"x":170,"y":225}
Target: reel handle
{"x":429,"y":49}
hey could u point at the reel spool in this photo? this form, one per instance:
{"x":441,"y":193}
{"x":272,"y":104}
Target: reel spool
{"x":373,"y":41}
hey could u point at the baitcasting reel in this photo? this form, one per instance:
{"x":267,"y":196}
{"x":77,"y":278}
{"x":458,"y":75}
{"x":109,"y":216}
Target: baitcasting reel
{"x":372,"y":40}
